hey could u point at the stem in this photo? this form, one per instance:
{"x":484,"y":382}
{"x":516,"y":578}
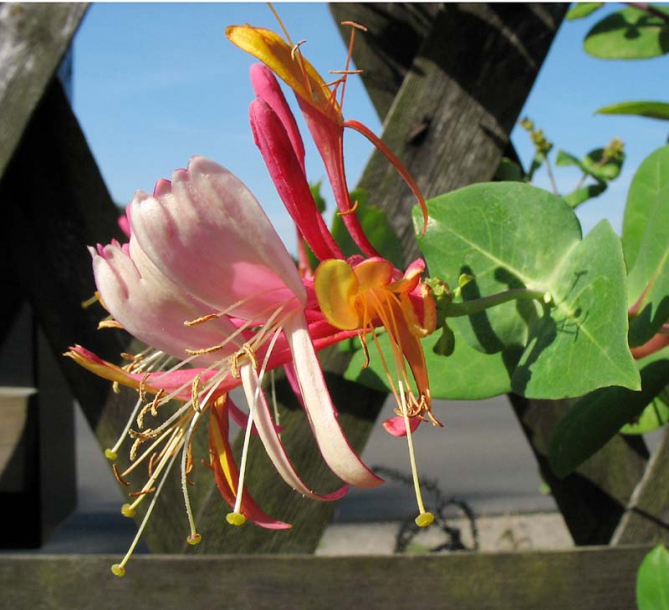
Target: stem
{"x":551,"y":177}
{"x":650,"y":9}
{"x":454,"y":310}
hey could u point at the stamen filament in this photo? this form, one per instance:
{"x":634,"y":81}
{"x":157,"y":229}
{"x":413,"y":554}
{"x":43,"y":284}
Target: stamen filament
{"x":119,"y":568}
{"x":425,"y":518}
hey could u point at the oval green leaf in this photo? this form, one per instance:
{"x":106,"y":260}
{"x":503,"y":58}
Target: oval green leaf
{"x":650,"y":178}
{"x":629,"y":34}
{"x":652,"y":583}
{"x":509,"y":236}
{"x":652,"y":110}
{"x":583,"y":9}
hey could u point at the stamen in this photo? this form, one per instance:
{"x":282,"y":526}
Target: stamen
{"x":111,"y":454}
{"x":425,"y":518}
{"x":351,"y":210}
{"x":118,"y":569}
{"x":296,"y":49}
{"x":117,"y":474}
{"x":194,"y":537}
{"x":234,"y":517}
{"x":109,"y":323}
{"x":195,"y":389}
{"x":91,"y":301}
{"x":202,"y":319}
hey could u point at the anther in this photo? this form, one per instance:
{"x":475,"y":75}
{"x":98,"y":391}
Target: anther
{"x":117,"y":474}
{"x":143,"y":492}
{"x":424,"y":519}
{"x":235,"y":519}
{"x":194,"y":539}
{"x":296,"y":47}
{"x":351,"y":210}
{"x":195,"y":392}
{"x":118,"y":570}
{"x":355,"y":25}
{"x":202,"y":319}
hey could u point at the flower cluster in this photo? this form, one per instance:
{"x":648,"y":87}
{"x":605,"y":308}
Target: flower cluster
{"x":207,"y":283}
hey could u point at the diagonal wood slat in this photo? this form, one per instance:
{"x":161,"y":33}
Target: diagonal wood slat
{"x":33,"y":40}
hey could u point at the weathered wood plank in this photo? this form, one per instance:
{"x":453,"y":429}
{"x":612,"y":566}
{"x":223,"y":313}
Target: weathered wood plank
{"x":395,"y":33}
{"x":578,"y":580}
{"x":33,"y":40}
{"x":463,"y":93}
{"x":646,"y":518}
{"x":593,"y":498}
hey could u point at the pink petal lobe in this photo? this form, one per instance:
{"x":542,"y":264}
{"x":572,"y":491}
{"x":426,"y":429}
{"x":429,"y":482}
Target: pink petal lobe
{"x":272,"y":442}
{"x":397,"y":426}
{"x":210,"y":236}
{"x":320,"y":411}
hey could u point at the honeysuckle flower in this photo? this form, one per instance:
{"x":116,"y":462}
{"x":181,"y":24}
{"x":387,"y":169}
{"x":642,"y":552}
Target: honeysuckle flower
{"x":206,"y":280}
{"x":358,"y":294}
{"x":322,"y":112}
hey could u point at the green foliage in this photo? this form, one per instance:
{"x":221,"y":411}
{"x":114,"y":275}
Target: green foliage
{"x":583,"y":9}
{"x":654,"y":416}
{"x":467,"y":374}
{"x":631,"y":33}
{"x":646,"y":246}
{"x":648,"y":181}
{"x":652,"y":110}
{"x":515,"y":236}
{"x":597,"y":417}
{"x":652,"y":584}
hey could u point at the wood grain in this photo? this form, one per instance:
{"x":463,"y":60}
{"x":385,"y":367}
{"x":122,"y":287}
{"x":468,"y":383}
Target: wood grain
{"x":578,"y":580}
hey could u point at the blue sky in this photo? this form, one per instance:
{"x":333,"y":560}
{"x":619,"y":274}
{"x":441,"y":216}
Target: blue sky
{"x":157,"y":83}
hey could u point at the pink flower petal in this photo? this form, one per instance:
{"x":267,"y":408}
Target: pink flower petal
{"x":397,"y":426}
{"x":332,"y":443}
{"x":271,"y":441}
{"x":211,"y":237}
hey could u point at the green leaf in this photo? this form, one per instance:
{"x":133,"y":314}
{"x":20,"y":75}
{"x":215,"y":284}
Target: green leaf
{"x":318,"y":198}
{"x":581,"y":195}
{"x":583,"y":9}
{"x":509,"y":171}
{"x":375,"y":224}
{"x":564,"y":158}
{"x":467,"y":374}
{"x":629,"y":34}
{"x":593,"y":164}
{"x":652,"y":583}
{"x":654,"y":416}
{"x":649,"y":180}
{"x":602,"y":168}
{"x":652,"y":110}
{"x":597,"y":417}
{"x":510,"y":235}
{"x":648,"y":281}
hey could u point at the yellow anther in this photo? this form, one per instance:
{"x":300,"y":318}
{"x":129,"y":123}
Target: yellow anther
{"x":118,"y":570}
{"x":111,"y":455}
{"x":127,"y":510}
{"x":194,"y":539}
{"x":235,"y":519}
{"x":424,"y":519}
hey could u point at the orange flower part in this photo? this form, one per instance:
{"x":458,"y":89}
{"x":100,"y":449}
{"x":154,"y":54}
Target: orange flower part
{"x":370,"y":294}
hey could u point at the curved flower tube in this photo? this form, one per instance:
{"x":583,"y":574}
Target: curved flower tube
{"x":322,"y":113}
